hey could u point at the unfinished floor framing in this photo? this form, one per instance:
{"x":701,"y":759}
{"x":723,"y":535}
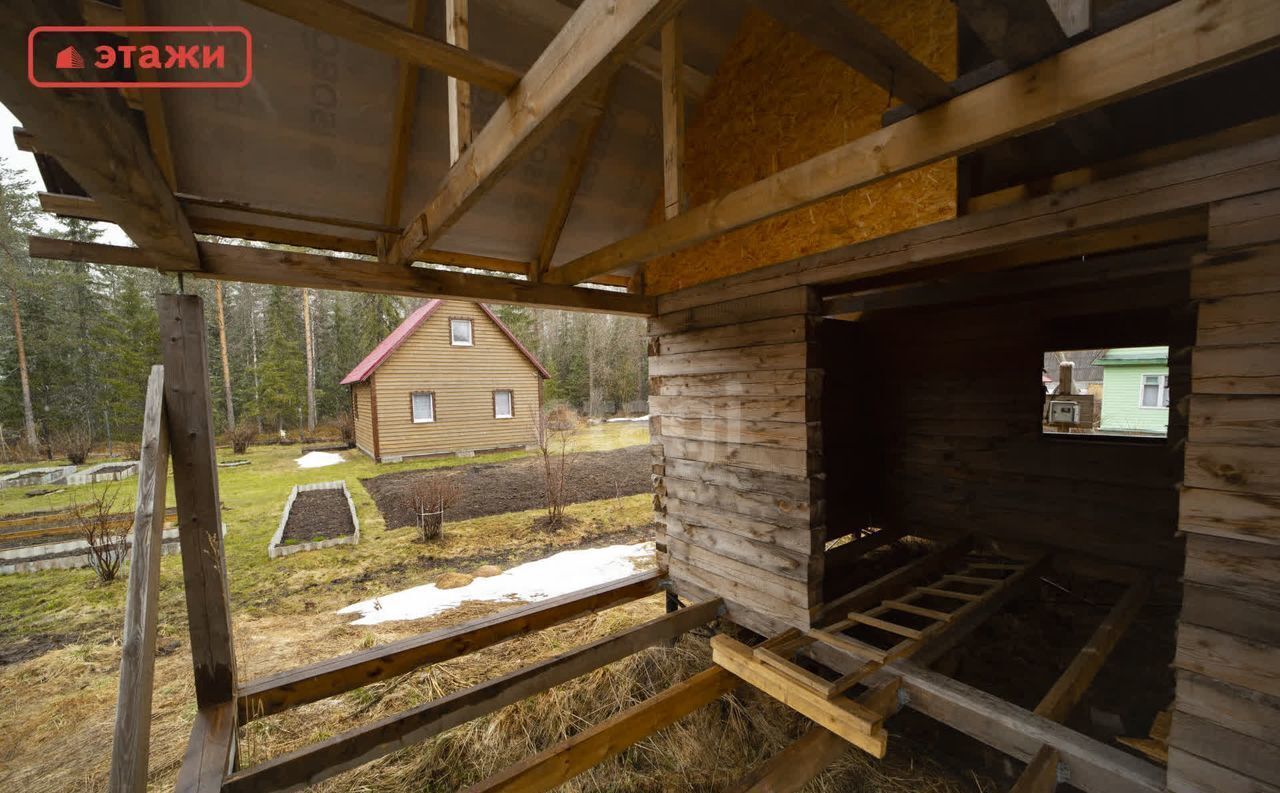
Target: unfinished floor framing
{"x":855,"y":230}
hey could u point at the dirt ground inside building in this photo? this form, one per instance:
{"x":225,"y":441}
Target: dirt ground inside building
{"x":494,"y":488}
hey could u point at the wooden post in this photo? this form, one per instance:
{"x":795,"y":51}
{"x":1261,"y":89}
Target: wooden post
{"x":195,"y":484}
{"x":130,"y":746}
{"x":672,"y":120}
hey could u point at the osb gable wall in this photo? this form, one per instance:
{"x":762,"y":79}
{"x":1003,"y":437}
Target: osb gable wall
{"x":932,"y":422}
{"x":777,"y":100}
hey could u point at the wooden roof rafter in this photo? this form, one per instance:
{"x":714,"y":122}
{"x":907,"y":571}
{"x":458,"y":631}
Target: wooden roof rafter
{"x":92,"y":136}
{"x":596,"y":40}
{"x":832,"y":26}
{"x":1196,"y":39}
{"x":350,"y":22}
{"x":402,"y":122}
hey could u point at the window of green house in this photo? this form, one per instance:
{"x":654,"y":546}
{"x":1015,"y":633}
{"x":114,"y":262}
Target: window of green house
{"x":1120,"y":392}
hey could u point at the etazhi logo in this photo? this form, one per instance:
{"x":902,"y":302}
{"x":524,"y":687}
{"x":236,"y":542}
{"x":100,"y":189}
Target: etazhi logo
{"x":69,"y":59}
{"x":106,"y":56}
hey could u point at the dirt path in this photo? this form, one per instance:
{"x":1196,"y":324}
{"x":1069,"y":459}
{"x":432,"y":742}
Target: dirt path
{"x":495,"y":488}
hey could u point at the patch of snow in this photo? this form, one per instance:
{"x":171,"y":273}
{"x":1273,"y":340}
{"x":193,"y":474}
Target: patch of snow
{"x":565,"y":572}
{"x":645,"y":417}
{"x":319,"y":459}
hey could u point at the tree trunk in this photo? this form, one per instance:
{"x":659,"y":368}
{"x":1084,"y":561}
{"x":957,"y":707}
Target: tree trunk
{"x":226,"y":366}
{"x":311,"y":360}
{"x":28,"y":415}
{"x":253,"y":353}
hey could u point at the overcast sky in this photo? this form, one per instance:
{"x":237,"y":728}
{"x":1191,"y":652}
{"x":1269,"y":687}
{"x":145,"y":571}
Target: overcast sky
{"x":26,"y":162}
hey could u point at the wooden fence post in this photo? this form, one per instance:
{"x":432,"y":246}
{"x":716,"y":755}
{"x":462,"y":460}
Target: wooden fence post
{"x":130,"y":747}
{"x":195,"y":484}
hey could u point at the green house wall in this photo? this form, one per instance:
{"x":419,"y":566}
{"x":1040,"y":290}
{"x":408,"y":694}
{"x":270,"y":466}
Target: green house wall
{"x":1122,"y":409}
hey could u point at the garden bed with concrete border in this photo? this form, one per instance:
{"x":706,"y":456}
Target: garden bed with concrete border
{"x":281,"y":545}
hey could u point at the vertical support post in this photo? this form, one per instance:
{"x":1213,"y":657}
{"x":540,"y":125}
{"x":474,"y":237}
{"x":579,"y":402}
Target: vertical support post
{"x":672,"y":119}
{"x":455,"y":32}
{"x":195,"y":482}
{"x":131,"y":744}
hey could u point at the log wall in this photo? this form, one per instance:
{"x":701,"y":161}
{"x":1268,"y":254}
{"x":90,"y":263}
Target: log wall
{"x":737,"y":454}
{"x":933,"y":424}
{"x":1224,"y":735}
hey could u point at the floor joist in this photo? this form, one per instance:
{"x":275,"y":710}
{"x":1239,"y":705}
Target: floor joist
{"x":280,"y":692}
{"x":363,"y":744}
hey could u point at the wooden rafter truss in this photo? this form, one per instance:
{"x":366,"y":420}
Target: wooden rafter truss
{"x":569,"y":83}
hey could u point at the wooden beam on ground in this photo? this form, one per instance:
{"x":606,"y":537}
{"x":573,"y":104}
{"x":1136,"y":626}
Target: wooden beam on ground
{"x":1195,"y":38}
{"x":795,"y":766}
{"x":854,"y":723}
{"x":1154,"y":193}
{"x":1041,"y":773}
{"x":130,"y":747}
{"x":1093,"y":766}
{"x":673,"y":186}
{"x":455,"y":31}
{"x":553,"y":767}
{"x":209,"y":750}
{"x":895,"y":582}
{"x":832,"y":26}
{"x":188,"y":411}
{"x":552,"y":15}
{"x":597,"y":39}
{"x":92,"y":135}
{"x":316,"y":271}
{"x":350,"y":22}
{"x":402,"y":122}
{"x":276,"y":693}
{"x":845,"y":555}
{"x":363,"y":744}
{"x":589,"y":121}
{"x":1070,"y":687}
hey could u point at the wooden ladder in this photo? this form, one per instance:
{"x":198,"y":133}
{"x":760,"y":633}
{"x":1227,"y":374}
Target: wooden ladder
{"x":979,"y":571}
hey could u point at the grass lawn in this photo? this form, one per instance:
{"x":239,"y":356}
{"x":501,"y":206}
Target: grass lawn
{"x":69,"y":625}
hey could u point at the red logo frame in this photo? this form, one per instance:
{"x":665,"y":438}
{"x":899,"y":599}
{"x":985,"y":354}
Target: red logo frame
{"x":248,"y":57}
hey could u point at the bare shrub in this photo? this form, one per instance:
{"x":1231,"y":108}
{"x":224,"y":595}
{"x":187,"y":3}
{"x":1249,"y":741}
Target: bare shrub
{"x":75,"y":444}
{"x":346,"y":428}
{"x":106,"y":532}
{"x":553,"y":431}
{"x":241,"y":435}
{"x":429,"y":497}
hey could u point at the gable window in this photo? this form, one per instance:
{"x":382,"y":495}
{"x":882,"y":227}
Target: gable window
{"x":460,"y":332}
{"x":1155,"y":390}
{"x":503,"y":404}
{"x":424,"y":407}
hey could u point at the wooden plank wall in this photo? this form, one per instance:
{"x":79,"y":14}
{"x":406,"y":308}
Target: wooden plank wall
{"x":933,"y":424}
{"x":737,"y":454}
{"x":1224,"y":737}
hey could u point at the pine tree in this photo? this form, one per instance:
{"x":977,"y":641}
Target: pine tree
{"x":17,"y":213}
{"x":282,"y":365}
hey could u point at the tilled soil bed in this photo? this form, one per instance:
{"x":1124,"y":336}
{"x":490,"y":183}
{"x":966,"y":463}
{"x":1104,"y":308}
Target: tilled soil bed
{"x":318,"y":515}
{"x":495,"y":488}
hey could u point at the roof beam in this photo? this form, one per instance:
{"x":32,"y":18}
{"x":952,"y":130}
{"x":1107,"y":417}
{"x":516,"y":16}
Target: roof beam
{"x":402,"y":122}
{"x":350,"y":22}
{"x":91,"y":134}
{"x":294,"y":268}
{"x":832,"y":26}
{"x":1194,"y":37}
{"x":570,"y":181}
{"x":152,"y":101}
{"x":598,"y":38}
{"x":1050,"y":223}
{"x":673,"y":186}
{"x":553,"y":14}
{"x":456,"y":33}
{"x":1018,"y":31}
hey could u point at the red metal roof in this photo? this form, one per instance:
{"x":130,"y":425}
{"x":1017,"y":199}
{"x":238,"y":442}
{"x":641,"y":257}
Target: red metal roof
{"x":411,"y":323}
